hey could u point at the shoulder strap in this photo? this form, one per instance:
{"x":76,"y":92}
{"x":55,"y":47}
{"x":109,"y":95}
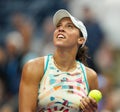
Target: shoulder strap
{"x":85,"y":75}
{"x":46,"y":61}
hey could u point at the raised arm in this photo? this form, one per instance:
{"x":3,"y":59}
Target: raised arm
{"x":31,"y":76}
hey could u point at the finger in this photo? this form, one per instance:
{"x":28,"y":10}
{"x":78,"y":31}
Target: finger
{"x":85,"y":104}
{"x":88,"y":105}
{"x":93,"y":102}
{"x":81,"y":106}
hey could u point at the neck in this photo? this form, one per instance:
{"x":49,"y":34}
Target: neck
{"x":65,"y":61}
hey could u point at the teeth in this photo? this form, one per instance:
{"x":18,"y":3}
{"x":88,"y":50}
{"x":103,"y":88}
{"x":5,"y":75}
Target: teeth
{"x":61,"y":36}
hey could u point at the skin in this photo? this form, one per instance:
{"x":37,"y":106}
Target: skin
{"x":33,"y":70}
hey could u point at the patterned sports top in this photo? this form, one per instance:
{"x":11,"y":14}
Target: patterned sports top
{"x":61,"y":91}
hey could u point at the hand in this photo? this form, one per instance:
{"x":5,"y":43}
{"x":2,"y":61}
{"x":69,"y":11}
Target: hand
{"x":88,"y":104}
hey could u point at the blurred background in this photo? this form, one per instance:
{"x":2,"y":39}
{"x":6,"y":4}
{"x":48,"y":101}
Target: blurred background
{"x":26,"y":31}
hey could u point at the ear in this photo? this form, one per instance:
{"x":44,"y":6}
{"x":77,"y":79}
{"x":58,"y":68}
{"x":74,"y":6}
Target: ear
{"x":81,"y":40}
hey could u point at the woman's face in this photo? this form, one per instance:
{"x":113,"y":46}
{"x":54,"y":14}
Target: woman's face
{"x":66,"y":34}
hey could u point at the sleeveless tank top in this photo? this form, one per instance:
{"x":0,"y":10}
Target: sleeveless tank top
{"x":61,"y":91}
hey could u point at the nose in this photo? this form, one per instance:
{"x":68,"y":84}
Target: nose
{"x":61,"y":29}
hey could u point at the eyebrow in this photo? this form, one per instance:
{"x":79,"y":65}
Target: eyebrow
{"x":67,"y":23}
{"x":70,"y":23}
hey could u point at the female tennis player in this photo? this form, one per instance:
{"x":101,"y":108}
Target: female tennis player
{"x":60,"y":81}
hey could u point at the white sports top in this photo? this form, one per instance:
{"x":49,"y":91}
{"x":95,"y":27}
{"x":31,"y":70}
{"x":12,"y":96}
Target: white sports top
{"x":61,"y":91}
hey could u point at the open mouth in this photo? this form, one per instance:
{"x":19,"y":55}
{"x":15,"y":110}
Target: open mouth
{"x":61,"y":36}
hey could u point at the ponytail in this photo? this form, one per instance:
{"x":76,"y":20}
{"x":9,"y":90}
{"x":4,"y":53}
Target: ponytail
{"x":82,"y":54}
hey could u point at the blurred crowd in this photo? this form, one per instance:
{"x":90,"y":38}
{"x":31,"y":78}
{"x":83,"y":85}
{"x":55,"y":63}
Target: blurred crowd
{"x":26,"y":31}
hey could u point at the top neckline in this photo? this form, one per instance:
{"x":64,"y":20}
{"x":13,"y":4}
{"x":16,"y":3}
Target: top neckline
{"x":69,"y":71}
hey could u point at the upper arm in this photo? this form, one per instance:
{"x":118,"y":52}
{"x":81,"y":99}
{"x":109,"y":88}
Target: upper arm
{"x":92,"y":78}
{"x":28,"y":91}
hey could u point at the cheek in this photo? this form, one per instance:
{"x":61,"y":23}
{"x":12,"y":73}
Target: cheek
{"x":74,"y":36}
{"x":55,"y":34}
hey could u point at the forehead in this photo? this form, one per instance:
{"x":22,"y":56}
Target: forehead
{"x":65,"y":19}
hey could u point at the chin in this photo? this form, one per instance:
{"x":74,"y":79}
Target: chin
{"x":58,"y":44}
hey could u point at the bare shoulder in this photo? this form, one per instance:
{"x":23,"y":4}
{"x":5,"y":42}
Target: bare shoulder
{"x":91,"y":73}
{"x":33,"y":69}
{"x":92,"y":78}
{"x":31,"y":75}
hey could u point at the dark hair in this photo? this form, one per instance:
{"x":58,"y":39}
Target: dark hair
{"x":82,"y":53}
